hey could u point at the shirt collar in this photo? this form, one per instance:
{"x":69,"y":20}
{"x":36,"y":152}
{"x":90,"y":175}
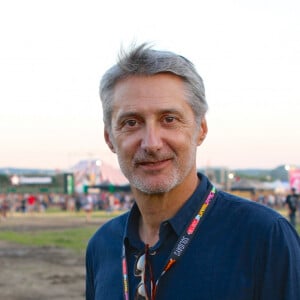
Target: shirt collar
{"x":132,"y":228}
{"x":178,"y":222}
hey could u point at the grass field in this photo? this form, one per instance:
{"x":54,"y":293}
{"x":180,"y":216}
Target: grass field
{"x":71,"y":238}
{"x":75,"y":239}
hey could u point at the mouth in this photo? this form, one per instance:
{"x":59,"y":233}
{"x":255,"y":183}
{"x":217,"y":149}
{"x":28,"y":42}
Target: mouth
{"x":153,"y":165}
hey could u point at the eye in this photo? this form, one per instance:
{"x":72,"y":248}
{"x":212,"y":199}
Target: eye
{"x":130,"y":123}
{"x":169,"y":119}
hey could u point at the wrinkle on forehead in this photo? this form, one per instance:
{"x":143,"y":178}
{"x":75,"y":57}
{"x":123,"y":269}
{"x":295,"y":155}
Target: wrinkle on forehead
{"x":149,"y":87}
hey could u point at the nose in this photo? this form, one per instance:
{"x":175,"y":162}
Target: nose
{"x":151,"y":140}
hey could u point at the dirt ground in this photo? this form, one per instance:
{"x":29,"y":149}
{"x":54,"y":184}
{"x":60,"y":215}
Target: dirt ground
{"x":35,"y":273}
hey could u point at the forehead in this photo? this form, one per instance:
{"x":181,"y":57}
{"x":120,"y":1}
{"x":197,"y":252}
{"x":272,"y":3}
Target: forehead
{"x":158,"y":82}
{"x":160,"y":88}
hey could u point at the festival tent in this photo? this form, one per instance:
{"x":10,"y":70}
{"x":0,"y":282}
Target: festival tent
{"x":95,"y":172}
{"x":246,"y":185}
{"x":276,"y":187}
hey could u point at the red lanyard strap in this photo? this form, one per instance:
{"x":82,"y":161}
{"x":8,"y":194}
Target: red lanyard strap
{"x":179,"y":248}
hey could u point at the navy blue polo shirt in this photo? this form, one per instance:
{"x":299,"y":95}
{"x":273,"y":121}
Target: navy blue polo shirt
{"x":242,"y":250}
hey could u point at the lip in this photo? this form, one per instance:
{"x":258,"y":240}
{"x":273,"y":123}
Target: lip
{"x":154,"y":165}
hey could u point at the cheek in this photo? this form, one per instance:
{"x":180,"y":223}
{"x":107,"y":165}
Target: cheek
{"x":125,"y":145}
{"x":183,"y":146}
{"x":186,"y":139}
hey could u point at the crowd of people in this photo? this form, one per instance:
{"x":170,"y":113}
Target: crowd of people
{"x":273,"y":200}
{"x":118,"y":201}
{"x":24,"y":203}
{"x":29,"y":203}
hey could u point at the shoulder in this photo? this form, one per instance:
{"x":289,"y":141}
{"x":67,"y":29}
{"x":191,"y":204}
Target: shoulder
{"x":247,"y":213}
{"x":257,"y":223}
{"x":238,"y":204}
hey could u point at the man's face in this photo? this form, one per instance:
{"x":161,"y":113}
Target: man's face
{"x":154,"y":133}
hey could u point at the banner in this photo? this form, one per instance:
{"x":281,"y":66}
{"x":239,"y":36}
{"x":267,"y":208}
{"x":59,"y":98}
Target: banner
{"x":295,"y":179}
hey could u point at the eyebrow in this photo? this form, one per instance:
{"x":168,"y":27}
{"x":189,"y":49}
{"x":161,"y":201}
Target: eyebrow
{"x":131,"y":113}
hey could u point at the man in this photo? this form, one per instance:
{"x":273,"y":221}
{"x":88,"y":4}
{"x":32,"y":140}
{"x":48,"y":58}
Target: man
{"x":292,"y":204}
{"x":182,"y":239}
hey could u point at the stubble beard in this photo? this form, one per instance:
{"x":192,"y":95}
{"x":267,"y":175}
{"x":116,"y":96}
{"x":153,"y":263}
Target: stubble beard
{"x":166,"y":183}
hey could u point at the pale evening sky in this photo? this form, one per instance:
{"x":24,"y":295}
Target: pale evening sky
{"x":53,"y":54}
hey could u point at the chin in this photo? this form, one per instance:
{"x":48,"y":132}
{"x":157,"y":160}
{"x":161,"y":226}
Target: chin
{"x":152,"y":188}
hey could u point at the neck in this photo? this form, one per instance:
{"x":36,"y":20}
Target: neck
{"x":160,"y":207}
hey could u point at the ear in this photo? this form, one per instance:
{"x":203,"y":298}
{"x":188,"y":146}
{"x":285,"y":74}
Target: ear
{"x":203,"y":131}
{"x":108,"y":141}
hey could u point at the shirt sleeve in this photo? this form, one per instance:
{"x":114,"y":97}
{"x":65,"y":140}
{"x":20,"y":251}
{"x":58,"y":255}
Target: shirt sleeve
{"x":278,"y":268}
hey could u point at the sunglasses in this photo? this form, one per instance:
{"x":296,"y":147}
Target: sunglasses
{"x":143,"y":269}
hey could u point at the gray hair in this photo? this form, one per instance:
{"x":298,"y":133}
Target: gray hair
{"x":143,"y":60}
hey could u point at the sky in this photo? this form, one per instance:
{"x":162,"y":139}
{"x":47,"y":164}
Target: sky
{"x":53,"y":54}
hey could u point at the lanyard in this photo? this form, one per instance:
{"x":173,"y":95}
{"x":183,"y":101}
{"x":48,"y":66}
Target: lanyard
{"x":177,"y":251}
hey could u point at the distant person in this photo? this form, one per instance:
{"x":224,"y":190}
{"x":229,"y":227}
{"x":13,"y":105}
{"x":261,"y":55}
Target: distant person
{"x":88,"y":207}
{"x":31,"y":202}
{"x":271,"y":200}
{"x":24,"y":202}
{"x":183,"y":238}
{"x":77,"y":202}
{"x":253,"y":196}
{"x":292,"y":204}
{"x":4,"y":207}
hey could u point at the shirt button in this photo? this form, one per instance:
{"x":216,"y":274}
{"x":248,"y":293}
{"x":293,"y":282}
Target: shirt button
{"x":153,"y":252}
